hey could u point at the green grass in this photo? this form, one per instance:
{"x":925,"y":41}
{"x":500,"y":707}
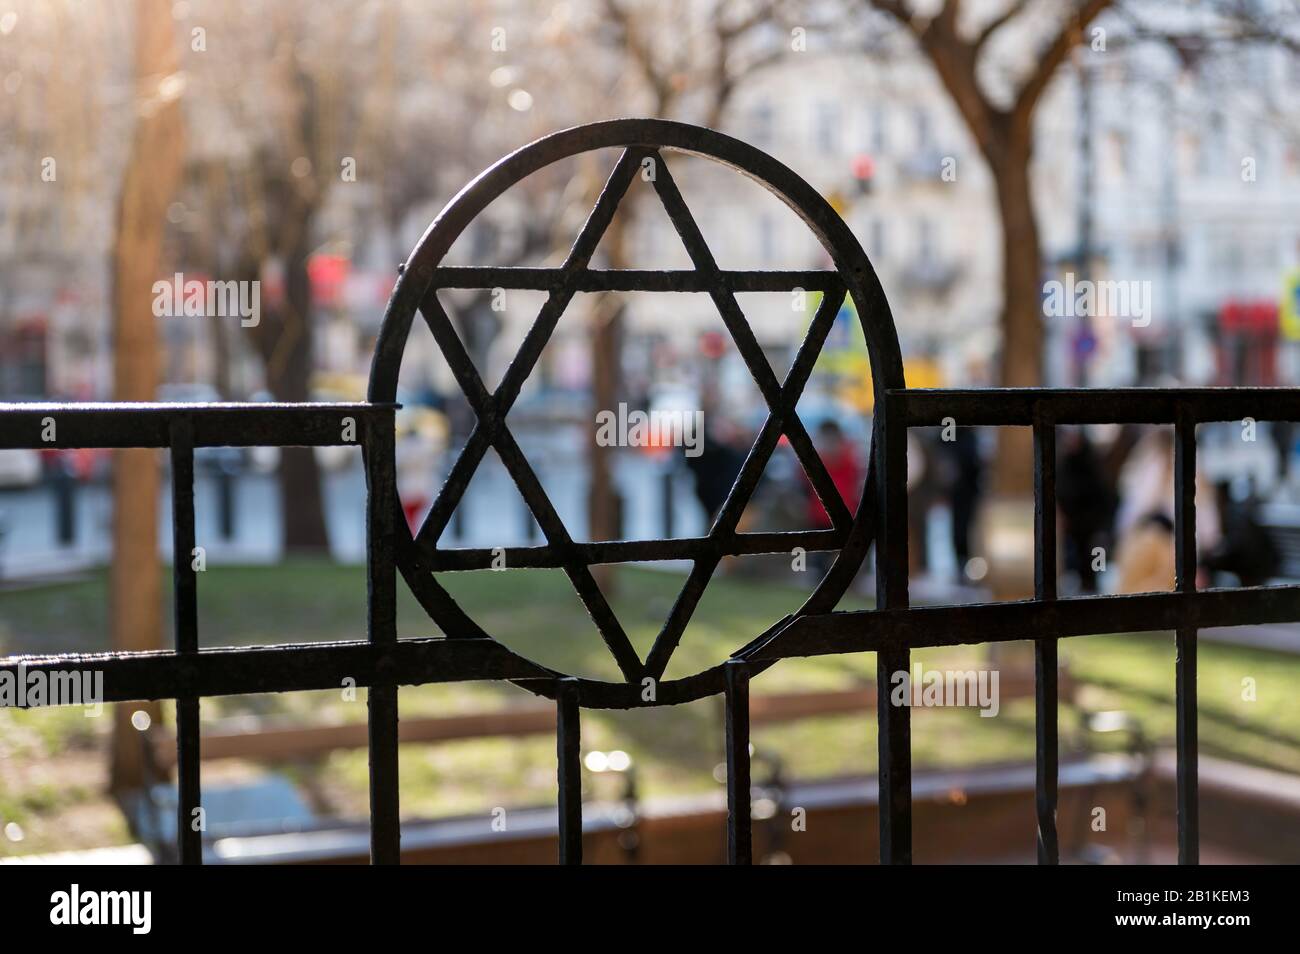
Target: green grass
{"x":536,"y":613}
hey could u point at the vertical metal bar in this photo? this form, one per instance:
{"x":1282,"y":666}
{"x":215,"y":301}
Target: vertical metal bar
{"x":1044,"y":508}
{"x":568,"y":744}
{"x":381,"y":604}
{"x":740,"y":826}
{"x":894,"y":723}
{"x":1185,"y":638}
{"x":189,"y":830}
{"x":1045,"y":648}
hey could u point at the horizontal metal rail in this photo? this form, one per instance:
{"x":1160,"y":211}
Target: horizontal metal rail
{"x":1004,"y":407}
{"x":920,"y":627}
{"x":629,"y":551}
{"x":284,"y":667}
{"x":634,"y":279}
{"x":47,"y":426}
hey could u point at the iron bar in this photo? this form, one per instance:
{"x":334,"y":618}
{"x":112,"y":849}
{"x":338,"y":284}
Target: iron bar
{"x":215,"y":425}
{"x":971,"y":623}
{"x":624,"y":551}
{"x":893,"y":722}
{"x":286,"y":667}
{"x":1045,"y":647}
{"x":190,"y":822}
{"x":632,"y":279}
{"x":1006,"y":407}
{"x":740,"y":826}
{"x":1185,"y":564}
{"x":568,"y":743}
{"x":381,"y":613}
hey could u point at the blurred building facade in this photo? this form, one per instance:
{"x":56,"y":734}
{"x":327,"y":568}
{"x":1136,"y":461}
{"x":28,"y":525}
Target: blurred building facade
{"x":1146,"y":170}
{"x":1149,"y":167}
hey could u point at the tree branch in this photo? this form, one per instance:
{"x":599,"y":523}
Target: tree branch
{"x":1057,"y":50}
{"x":898,"y":9}
{"x":1012,"y":10}
{"x":641,"y":54}
{"x":953,"y":58}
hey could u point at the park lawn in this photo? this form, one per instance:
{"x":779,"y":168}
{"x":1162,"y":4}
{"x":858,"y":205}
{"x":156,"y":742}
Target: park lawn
{"x":56,"y":795}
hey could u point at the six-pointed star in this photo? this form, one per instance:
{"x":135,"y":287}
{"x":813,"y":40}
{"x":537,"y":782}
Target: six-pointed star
{"x":491,"y":409}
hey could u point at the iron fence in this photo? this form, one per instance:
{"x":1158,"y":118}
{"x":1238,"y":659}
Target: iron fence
{"x":383,"y":662}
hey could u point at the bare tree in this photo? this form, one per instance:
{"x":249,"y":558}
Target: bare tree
{"x":292,"y":116}
{"x":997,"y":100}
{"x":1002,"y":127}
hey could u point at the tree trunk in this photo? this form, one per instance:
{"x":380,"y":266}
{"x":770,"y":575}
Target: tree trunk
{"x":1021,"y":363}
{"x":1006,"y":519}
{"x":606,"y":347}
{"x":153,"y":171}
{"x":606,"y":354}
{"x":285,"y":337}
{"x":289,"y":365}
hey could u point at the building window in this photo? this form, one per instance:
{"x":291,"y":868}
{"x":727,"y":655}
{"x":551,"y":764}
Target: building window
{"x":877,"y":240}
{"x":925,"y":240}
{"x":827,"y":134}
{"x":923,"y":131}
{"x":762,"y":124}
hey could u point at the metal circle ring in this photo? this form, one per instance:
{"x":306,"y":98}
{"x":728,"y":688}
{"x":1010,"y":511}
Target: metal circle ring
{"x":644,"y":136}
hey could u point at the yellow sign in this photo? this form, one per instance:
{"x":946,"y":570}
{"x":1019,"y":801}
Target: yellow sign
{"x":1289,"y":312}
{"x":844,"y":357}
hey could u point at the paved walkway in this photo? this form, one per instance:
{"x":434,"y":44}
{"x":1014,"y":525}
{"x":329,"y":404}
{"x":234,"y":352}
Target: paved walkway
{"x":1281,"y":637}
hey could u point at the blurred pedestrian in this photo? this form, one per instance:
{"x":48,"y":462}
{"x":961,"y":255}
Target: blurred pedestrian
{"x":1087,"y":502}
{"x":1246,"y":550}
{"x":964,"y":475}
{"x":840,"y":458}
{"x":1282,"y":433}
{"x":842,"y":463}
{"x":1145,"y":523}
{"x":716,"y":467}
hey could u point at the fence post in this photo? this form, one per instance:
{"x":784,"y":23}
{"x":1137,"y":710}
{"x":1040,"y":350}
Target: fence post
{"x":381,"y":593}
{"x":894,"y":723}
{"x":568,"y":742}
{"x":740,"y":827}
{"x":189,"y":836}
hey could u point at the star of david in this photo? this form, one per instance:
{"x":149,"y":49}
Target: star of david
{"x":492,"y":431}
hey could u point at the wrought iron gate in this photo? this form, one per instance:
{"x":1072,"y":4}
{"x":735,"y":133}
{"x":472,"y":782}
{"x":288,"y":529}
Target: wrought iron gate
{"x":383,"y":662}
